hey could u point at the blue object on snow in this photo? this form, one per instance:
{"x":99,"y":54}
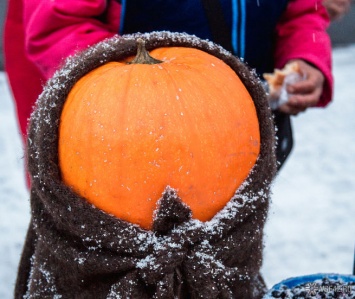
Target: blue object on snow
{"x":295,"y":281}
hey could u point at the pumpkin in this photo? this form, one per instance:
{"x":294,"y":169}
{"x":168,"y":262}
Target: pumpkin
{"x":129,"y":129}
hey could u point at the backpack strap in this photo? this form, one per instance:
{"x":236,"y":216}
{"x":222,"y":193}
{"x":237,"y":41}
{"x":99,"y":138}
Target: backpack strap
{"x":220,"y":31}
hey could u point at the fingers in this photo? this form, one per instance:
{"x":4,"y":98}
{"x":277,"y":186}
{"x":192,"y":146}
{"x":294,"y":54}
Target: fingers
{"x":289,"y":109}
{"x":302,"y":87}
{"x":305,"y":93}
{"x":337,"y":8}
{"x":305,"y":101}
{"x":313,"y":78}
{"x":299,"y":103}
{"x":309,"y":97}
{"x":308,"y":91}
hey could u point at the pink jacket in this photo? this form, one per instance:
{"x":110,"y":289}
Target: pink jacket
{"x":54,"y":30}
{"x":57,"y":29}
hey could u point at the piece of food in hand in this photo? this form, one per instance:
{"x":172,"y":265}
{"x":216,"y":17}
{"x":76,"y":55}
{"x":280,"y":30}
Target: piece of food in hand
{"x":278,"y":80}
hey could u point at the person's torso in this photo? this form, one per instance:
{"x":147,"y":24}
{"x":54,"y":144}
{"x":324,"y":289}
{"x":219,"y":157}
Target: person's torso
{"x":251,"y":23}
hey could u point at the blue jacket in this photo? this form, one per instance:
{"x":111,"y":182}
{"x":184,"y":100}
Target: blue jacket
{"x":251,"y":23}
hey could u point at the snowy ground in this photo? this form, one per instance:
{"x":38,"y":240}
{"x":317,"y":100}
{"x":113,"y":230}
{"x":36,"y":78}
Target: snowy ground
{"x":311,"y":225}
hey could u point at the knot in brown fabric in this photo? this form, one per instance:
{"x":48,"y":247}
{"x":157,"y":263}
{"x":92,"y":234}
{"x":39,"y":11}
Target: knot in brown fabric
{"x":171,"y":247}
{"x":183,"y":251}
{"x":167,"y":257}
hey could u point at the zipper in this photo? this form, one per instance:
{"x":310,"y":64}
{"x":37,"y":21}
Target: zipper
{"x":123,"y":15}
{"x":238,"y":27}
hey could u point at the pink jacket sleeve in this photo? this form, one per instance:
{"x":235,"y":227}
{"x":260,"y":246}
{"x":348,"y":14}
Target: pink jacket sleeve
{"x":301,"y":34}
{"x":57,"y":29}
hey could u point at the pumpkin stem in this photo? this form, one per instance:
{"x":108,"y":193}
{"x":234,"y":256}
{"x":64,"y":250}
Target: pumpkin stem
{"x":143,"y":56}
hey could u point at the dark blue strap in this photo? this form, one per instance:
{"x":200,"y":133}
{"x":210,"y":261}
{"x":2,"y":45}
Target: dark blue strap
{"x":220,"y":31}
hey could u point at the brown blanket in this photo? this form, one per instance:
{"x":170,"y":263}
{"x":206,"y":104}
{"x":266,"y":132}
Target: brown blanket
{"x":74,"y":250}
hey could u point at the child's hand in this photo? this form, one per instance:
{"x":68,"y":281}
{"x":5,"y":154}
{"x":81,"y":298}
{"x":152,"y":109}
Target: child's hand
{"x":337,"y":8}
{"x":305,"y":93}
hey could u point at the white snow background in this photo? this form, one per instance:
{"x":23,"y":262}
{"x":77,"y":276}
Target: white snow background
{"x":311,"y":224}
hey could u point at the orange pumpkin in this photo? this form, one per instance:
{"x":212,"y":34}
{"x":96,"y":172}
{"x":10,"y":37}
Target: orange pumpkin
{"x":129,"y":130}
